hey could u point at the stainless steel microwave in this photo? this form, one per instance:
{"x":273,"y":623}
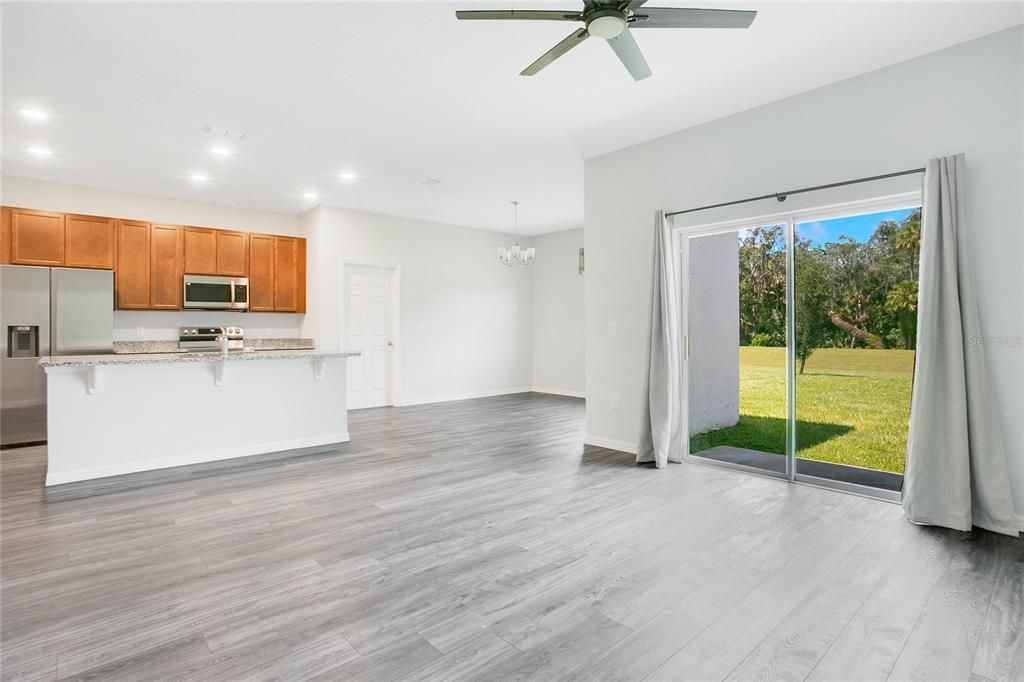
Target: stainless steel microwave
{"x":216,"y":293}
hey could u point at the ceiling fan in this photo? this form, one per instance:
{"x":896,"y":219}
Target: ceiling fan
{"x":612,"y":20}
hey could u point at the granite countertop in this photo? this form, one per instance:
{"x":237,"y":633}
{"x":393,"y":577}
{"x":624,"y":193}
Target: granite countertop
{"x":147,"y":347}
{"x":178,"y":357}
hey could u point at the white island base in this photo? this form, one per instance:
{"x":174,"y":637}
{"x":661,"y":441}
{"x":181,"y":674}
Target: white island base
{"x":116,"y":414}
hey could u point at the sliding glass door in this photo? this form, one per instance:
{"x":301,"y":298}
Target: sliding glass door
{"x":799,"y":338}
{"x":855,"y":301}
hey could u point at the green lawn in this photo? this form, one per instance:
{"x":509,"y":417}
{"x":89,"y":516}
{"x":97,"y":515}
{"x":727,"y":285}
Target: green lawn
{"x":852,"y":406}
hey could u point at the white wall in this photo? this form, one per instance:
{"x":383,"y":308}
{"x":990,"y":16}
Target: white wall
{"x":161,"y":325}
{"x":967,"y":98}
{"x":714,"y":332}
{"x":465,"y":317}
{"x":558,"y":331}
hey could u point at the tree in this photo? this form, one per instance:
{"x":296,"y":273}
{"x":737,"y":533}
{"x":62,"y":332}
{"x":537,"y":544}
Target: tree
{"x":848,"y":293}
{"x":813,"y":279}
{"x":902,"y":302}
{"x":762,"y":263}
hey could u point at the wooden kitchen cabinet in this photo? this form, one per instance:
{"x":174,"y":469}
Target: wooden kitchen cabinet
{"x":277,"y":274}
{"x":286,"y":274}
{"x":200,"y":251}
{"x":89,"y":242}
{"x":232,"y":253}
{"x":37,"y":237}
{"x":165,"y":267}
{"x":261,"y":273}
{"x":131,"y":279}
{"x":5,"y":234}
{"x":149,"y":260}
{"x":216,"y":252}
{"x":148,"y":274}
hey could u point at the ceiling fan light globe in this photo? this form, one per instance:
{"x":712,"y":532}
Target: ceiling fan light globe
{"x":607,"y":26}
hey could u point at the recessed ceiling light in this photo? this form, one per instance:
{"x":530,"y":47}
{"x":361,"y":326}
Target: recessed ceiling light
{"x":310,"y":195}
{"x":220,"y":151}
{"x":35,"y":114}
{"x":347,"y":175}
{"x":199,"y":177}
{"x":40,"y":151}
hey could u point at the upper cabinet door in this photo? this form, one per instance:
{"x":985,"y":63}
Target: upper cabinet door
{"x":165,"y":265}
{"x":132,"y":276}
{"x":200,"y":251}
{"x":261,"y":273}
{"x":37,"y":238}
{"x":285,"y":274}
{"x":232,"y":253}
{"x":300,"y":275}
{"x":89,"y":242}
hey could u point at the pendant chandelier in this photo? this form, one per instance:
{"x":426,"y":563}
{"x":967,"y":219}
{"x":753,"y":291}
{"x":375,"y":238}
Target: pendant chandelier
{"x":516,"y":255}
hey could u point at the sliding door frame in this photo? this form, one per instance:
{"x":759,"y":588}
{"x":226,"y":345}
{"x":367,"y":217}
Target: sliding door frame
{"x":790,"y":219}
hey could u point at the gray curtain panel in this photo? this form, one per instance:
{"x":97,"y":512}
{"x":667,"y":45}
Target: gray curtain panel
{"x":956,"y":474}
{"x":661,"y":431}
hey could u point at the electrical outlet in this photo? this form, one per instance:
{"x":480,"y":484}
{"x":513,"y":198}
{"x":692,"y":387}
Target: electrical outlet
{"x":612,"y":329}
{"x":615,"y":402}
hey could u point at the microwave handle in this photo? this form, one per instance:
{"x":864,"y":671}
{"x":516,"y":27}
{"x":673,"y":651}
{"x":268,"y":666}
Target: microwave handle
{"x":232,"y":293}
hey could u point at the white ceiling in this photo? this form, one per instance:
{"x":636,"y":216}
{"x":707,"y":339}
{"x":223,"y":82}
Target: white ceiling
{"x":401,"y":91}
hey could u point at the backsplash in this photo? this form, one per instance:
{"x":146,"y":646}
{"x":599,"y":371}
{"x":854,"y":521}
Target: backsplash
{"x":144,"y":325}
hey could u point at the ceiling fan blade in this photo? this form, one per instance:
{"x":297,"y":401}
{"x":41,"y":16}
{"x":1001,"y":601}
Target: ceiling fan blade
{"x":634,"y":4}
{"x":673,"y":17}
{"x":570,"y":41}
{"x":630,"y":55}
{"x":520,"y":14}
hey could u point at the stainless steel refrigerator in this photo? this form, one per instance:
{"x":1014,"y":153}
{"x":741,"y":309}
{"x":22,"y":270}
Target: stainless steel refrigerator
{"x":46,"y":311}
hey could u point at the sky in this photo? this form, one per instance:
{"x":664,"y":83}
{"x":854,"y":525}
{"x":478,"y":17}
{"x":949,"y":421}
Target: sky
{"x":858,"y":227}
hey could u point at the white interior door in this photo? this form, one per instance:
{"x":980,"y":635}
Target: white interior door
{"x":369,"y":310}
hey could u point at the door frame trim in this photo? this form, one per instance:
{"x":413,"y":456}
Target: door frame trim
{"x":394,"y":397}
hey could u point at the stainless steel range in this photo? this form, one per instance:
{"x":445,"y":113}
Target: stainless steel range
{"x":207,"y":339}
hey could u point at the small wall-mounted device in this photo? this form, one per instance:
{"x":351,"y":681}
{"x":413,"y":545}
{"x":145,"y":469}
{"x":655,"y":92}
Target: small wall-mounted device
{"x":581,"y":261}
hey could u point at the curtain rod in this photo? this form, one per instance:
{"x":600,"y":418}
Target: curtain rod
{"x":781,"y":196}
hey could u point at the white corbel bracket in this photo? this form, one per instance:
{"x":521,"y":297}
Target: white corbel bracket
{"x":318,"y":368}
{"x":94,"y":380}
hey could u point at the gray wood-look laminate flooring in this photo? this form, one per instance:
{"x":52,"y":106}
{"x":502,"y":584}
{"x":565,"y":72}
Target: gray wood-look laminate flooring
{"x":481,"y":540}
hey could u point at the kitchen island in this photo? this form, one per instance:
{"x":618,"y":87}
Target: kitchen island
{"x":110,"y":415}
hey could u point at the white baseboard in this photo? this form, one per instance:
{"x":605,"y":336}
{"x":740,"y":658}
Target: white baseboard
{"x":461,"y":396}
{"x":611,"y":444}
{"x":59,"y":477}
{"x":560,"y":391}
